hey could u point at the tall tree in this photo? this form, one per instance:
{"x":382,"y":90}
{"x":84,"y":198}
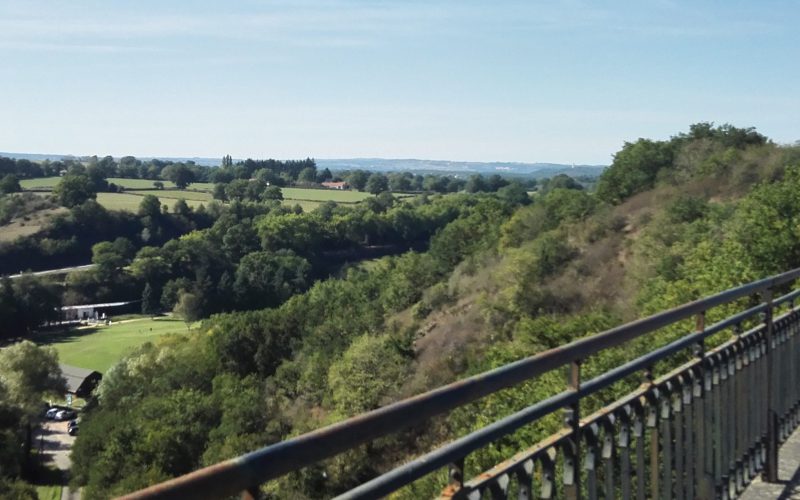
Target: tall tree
{"x":149,"y":302}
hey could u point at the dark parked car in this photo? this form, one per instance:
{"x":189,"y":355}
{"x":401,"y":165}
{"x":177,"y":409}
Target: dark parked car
{"x":73,"y":430}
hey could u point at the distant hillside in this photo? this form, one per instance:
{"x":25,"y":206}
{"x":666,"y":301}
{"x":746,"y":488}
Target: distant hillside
{"x":536,"y":170}
{"x":461,"y":167}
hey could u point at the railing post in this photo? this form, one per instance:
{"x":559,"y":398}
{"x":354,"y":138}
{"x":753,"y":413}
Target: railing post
{"x":572,"y":417}
{"x":456,"y":473}
{"x":771,"y":465}
{"x":702,"y":415}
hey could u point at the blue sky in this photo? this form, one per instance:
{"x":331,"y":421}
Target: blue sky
{"x":530,"y":81}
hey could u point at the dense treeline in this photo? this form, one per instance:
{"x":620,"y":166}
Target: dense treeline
{"x":301,"y":339}
{"x":68,"y":238}
{"x":500,"y":278}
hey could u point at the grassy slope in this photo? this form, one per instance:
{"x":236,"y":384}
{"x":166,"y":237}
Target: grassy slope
{"x":99,"y":347}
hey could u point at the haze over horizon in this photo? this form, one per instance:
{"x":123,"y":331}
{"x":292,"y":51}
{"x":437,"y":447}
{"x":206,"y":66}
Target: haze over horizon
{"x":461,"y":81}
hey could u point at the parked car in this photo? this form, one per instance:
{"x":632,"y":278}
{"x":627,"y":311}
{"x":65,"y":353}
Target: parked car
{"x":73,"y":430}
{"x":72,"y":423}
{"x":66,"y":415}
{"x":51,"y":413}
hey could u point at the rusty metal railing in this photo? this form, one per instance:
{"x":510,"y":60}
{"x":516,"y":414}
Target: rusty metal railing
{"x":703,"y":430}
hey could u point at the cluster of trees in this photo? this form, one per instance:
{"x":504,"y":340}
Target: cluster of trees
{"x":68,"y":238}
{"x":28,"y":375}
{"x":274,"y":353}
{"x":25,"y":303}
{"x":258,"y":255}
{"x":705,"y":150}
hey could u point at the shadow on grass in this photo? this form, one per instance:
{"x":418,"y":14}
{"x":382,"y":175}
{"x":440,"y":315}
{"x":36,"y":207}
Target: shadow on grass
{"x":63,"y":336}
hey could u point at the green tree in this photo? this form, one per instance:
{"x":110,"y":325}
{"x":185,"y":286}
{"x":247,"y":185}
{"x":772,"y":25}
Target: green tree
{"x":189,"y":307}
{"x":358,"y":179}
{"x":634,"y":169}
{"x":180,"y":174}
{"x":308,"y":175}
{"x":266,"y":279}
{"x":273,"y":193}
{"x":9,"y":184}
{"x":219,"y":192}
{"x":150,"y":206}
{"x":108,"y":259}
{"x":73,"y":190}
{"x":149,"y":302}
{"x":377,"y":183}
{"x":367,"y":373}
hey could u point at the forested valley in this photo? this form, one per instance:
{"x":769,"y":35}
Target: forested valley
{"x":304,"y":325}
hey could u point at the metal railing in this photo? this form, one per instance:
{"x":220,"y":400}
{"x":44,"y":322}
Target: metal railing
{"x":703,"y":430}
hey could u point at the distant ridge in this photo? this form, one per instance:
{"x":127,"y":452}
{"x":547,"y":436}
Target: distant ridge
{"x":387,"y":165}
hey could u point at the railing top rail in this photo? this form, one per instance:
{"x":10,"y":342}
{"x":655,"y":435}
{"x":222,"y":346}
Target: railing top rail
{"x":238,"y":474}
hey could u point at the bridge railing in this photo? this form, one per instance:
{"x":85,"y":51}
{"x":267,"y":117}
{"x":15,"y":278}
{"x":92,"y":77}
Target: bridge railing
{"x":704,"y":430}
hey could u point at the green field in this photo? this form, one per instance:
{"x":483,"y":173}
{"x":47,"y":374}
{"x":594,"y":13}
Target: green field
{"x":178,"y":195}
{"x":323,"y":195}
{"x":99,"y":347}
{"x":138,"y":183}
{"x":130,"y":202}
{"x":39,"y":183}
{"x":197,"y":194}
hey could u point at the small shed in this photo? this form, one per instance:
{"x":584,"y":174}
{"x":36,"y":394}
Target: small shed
{"x":80,"y":381}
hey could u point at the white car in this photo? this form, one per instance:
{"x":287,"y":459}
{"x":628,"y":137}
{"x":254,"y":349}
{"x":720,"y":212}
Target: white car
{"x":51,"y":413}
{"x":66,"y":415}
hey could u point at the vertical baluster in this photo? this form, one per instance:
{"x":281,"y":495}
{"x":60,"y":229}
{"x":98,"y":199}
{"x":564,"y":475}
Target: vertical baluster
{"x":716,"y":422}
{"x":499,"y":487}
{"x":652,"y":424}
{"x":665,"y":425}
{"x":624,"y":443}
{"x":708,"y":429}
{"x":456,"y":475}
{"x":590,"y":460}
{"x":688,"y":418}
{"x":740,"y":397}
{"x":548,"y":461}
{"x":730,"y":412}
{"x":764,"y":425}
{"x":638,"y":433}
{"x":677,"y":420}
{"x":572,"y":452}
{"x":702,"y":413}
{"x":525,"y":480}
{"x":771,"y":466}
{"x":607,"y":453}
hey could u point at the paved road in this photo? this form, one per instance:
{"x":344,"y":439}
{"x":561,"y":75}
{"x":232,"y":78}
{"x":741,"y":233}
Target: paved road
{"x":56,"y":446}
{"x":63,"y":270}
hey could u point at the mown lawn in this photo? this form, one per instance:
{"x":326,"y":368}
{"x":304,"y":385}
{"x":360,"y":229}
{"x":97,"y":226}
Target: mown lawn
{"x":100,"y":347}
